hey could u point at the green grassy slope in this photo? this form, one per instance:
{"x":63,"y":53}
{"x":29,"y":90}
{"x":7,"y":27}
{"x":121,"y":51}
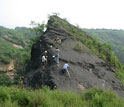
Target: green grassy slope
{"x":18,"y":36}
{"x":15,"y":45}
{"x":114,"y":37}
{"x":12,"y":97}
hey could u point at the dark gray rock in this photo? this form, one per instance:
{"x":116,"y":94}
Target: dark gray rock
{"x":87,"y":70}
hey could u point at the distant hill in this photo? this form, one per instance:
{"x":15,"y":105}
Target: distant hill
{"x":114,"y":37}
{"x":14,"y":51}
{"x":14,"y":42}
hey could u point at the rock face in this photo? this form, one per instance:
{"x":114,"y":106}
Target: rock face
{"x":7,"y":67}
{"x":86,"y":69}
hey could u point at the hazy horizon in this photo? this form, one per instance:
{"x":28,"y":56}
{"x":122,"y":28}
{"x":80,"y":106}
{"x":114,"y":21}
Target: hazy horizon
{"x":100,"y":14}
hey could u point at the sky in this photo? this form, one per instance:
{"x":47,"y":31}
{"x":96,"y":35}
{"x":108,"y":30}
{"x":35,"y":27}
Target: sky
{"x":85,"y":13}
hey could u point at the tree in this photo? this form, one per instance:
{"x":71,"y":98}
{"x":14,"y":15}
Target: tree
{"x":38,"y":28}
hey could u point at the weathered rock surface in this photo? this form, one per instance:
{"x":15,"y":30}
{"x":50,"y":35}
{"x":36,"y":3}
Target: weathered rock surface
{"x":87,"y":70}
{"x":7,"y":67}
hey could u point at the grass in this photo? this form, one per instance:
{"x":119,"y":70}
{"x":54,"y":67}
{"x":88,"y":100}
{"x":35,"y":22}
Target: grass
{"x":81,"y":48}
{"x":12,"y":97}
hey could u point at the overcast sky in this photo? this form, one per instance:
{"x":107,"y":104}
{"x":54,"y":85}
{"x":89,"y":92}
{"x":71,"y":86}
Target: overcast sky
{"x":85,"y":13}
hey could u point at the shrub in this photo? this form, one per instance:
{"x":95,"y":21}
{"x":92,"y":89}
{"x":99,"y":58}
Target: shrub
{"x":78,"y":47}
{"x":4,"y":80}
{"x":3,"y":95}
{"x":95,"y":97}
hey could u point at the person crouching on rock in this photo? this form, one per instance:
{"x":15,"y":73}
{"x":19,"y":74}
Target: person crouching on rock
{"x":65,"y":69}
{"x":56,"y":57}
{"x":58,"y":40}
{"x":44,"y":60}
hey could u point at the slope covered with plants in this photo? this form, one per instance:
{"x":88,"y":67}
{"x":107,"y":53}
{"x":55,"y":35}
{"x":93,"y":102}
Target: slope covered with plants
{"x":14,"y":43}
{"x":12,"y":97}
{"x":15,"y":47}
{"x":113,"y":37}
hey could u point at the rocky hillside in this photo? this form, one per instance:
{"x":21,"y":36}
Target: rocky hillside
{"x":86,"y":69}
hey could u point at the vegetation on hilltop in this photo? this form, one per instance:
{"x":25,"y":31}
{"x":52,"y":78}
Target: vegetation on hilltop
{"x":113,"y":37}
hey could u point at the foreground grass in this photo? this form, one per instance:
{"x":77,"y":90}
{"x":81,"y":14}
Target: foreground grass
{"x":12,"y":97}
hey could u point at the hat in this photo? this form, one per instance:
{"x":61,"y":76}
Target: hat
{"x":45,"y":51}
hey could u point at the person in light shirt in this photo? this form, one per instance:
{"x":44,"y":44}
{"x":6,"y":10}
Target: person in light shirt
{"x":65,"y":68}
{"x":43,"y":62}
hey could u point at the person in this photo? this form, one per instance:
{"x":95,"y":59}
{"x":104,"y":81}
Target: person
{"x":45,"y":54}
{"x":56,"y":57}
{"x":58,"y":40}
{"x":44,"y":62}
{"x":65,"y":69}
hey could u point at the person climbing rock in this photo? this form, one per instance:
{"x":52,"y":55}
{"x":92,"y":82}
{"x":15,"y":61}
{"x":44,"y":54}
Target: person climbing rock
{"x":56,"y":57}
{"x":65,"y":69}
{"x":58,"y":40}
{"x":45,"y":53}
{"x":44,"y":60}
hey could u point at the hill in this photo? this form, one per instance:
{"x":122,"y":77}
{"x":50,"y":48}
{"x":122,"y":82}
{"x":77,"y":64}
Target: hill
{"x":14,"y":51}
{"x":13,"y":42}
{"x":92,"y":63}
{"x":113,"y":37}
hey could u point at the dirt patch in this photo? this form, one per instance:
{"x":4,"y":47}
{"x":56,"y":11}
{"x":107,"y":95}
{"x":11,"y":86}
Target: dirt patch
{"x":17,"y":46}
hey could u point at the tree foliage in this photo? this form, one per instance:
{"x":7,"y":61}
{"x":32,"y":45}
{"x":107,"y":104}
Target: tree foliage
{"x":113,"y":37}
{"x":38,"y":28}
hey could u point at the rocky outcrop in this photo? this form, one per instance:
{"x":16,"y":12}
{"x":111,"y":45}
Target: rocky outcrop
{"x":7,"y":67}
{"x":86,"y":69}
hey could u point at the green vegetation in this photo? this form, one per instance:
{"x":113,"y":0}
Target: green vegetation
{"x":12,"y":97}
{"x":15,"y":45}
{"x":4,"y":80}
{"x":10,"y":38}
{"x":80,"y":47}
{"x":114,"y":37}
{"x":38,"y":28}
